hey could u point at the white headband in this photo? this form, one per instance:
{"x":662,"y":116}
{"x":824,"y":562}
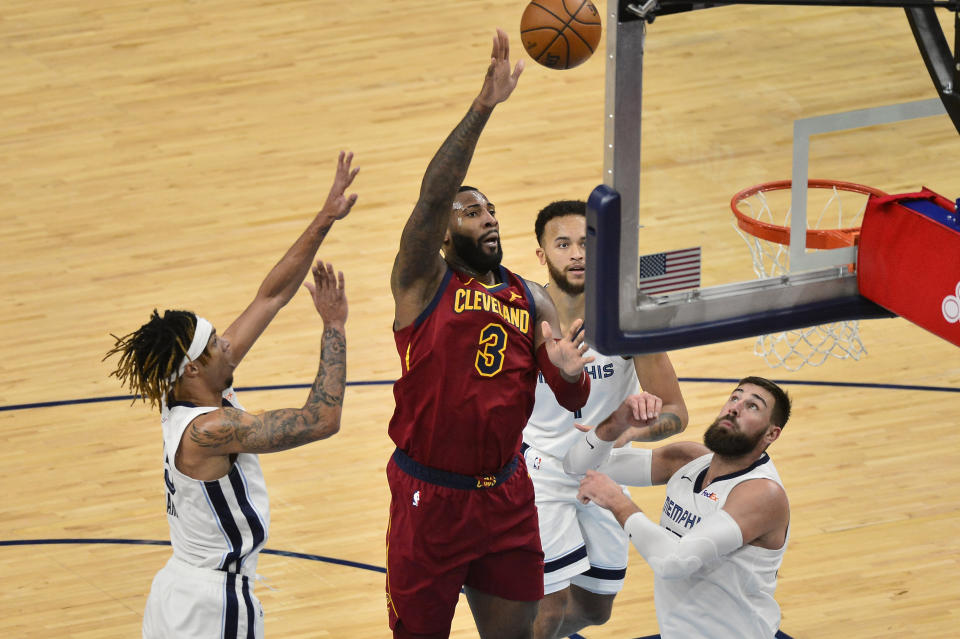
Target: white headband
{"x":201,"y":337}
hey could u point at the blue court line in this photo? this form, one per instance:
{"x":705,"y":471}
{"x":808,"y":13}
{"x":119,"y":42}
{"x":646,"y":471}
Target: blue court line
{"x":131,"y":398}
{"x":158,"y":542}
{"x":388,"y":382}
{"x":283,"y":553}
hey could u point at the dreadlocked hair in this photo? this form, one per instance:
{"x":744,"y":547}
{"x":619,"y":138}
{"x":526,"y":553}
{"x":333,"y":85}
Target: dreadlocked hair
{"x":151,"y":355}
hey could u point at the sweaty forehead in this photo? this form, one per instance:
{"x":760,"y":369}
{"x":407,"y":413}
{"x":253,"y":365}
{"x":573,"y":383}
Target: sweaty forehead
{"x":466,"y":199}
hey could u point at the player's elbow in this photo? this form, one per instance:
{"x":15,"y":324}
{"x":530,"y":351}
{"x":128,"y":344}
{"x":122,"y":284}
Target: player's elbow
{"x":332,"y":423}
{"x":325,"y":423}
{"x":571,"y":468}
{"x":675,"y":568}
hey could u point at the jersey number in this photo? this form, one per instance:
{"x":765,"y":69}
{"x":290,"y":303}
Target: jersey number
{"x":493,"y":342}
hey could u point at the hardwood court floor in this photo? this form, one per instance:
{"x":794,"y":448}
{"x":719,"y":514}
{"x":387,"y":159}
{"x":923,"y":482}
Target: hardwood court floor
{"x":165,"y":154}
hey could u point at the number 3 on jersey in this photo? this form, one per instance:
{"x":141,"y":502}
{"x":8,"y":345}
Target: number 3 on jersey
{"x":493,"y":342}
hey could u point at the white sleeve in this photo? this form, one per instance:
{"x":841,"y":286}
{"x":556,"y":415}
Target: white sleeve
{"x":716,"y":535}
{"x":586,"y":454}
{"x":630,"y":466}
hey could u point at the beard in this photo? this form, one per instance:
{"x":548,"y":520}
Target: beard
{"x":560,"y":279}
{"x":474,"y":256}
{"x":727,"y":442}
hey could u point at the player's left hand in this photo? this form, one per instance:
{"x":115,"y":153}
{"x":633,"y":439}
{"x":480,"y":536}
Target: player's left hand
{"x":599,"y":489}
{"x":566,"y":353}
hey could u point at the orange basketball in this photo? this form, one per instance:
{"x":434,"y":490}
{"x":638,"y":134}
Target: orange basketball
{"x":560,"y":34}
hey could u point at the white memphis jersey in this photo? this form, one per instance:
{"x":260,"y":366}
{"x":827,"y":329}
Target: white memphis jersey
{"x":220,"y":524}
{"x":550,"y":427}
{"x":734,"y":597}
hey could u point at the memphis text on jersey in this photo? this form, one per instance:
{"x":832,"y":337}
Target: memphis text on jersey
{"x":679,"y":514}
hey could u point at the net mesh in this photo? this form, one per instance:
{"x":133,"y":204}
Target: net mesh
{"x":828,"y":207}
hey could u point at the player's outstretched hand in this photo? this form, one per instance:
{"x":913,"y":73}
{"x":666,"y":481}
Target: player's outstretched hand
{"x":338,"y":203}
{"x":328,"y":293}
{"x":499,"y":82}
{"x":566,"y":353}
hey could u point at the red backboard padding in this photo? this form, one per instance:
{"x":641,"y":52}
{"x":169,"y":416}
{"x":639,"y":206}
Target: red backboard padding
{"x":909,"y":259}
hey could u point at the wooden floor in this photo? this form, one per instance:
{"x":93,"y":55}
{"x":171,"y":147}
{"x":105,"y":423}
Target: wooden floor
{"x":165,"y":153}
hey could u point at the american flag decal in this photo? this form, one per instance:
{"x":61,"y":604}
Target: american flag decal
{"x":670,"y":271}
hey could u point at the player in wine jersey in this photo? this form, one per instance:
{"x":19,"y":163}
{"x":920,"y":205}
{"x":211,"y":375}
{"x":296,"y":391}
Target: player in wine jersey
{"x":725,"y":522}
{"x":585,"y":549}
{"x":471,"y":337}
{"x":216,"y":499}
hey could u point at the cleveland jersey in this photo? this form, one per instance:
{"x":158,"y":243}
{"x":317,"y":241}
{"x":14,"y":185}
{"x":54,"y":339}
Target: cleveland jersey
{"x":469,"y":372}
{"x":733,"y":598}
{"x":551,"y":426}
{"x":220,"y":524}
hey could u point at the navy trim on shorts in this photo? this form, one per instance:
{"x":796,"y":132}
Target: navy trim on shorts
{"x":232,"y":618}
{"x":248,"y":602}
{"x":571,"y":557}
{"x":610,"y":574}
{"x":453,"y":480}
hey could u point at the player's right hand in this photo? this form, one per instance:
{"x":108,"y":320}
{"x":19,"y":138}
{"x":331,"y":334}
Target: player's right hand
{"x":635,"y":412}
{"x":499,"y":82}
{"x":328,"y":293}
{"x":338,"y":204}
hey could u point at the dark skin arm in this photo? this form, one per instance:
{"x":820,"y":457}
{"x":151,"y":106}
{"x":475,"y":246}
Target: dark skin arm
{"x":210,"y":439}
{"x":418,"y":267}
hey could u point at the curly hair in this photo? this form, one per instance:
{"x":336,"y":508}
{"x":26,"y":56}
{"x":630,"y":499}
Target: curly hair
{"x":557,"y":209}
{"x":151,"y":355}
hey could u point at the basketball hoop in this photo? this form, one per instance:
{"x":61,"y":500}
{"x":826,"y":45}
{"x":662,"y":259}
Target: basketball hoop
{"x":841,"y":206}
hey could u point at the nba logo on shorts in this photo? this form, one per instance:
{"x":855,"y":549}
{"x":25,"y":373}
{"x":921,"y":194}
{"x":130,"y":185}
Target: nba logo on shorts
{"x":536,"y":463}
{"x":416,"y":498}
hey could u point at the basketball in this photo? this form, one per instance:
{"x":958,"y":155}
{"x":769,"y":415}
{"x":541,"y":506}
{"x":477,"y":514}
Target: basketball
{"x":560,"y":34}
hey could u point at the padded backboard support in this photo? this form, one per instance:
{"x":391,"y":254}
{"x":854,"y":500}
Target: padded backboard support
{"x":703,"y":316}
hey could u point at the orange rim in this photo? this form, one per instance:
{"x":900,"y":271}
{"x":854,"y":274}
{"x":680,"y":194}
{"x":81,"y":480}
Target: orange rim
{"x":816,"y":238}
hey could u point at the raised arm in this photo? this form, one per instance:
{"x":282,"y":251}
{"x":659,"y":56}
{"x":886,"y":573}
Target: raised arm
{"x":211,"y":437}
{"x":285,"y":278}
{"x":418,"y":267}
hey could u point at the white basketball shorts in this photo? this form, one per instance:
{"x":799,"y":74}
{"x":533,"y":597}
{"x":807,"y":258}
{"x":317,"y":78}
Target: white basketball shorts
{"x":582,"y":544}
{"x":187,"y":602}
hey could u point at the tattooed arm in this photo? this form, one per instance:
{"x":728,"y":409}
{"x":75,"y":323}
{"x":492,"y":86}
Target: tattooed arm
{"x":285,"y":277}
{"x":418,"y":267}
{"x":210,"y":439}
{"x":657,"y":376}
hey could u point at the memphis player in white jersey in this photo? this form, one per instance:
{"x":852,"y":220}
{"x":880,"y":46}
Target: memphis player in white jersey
{"x":585,"y":549}
{"x":216,"y":499}
{"x":725,"y":522}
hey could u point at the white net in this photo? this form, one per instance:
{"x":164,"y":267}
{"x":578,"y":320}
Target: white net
{"x":838,"y":209}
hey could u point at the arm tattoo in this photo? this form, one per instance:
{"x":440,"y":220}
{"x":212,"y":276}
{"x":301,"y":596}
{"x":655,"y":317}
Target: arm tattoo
{"x":449,"y":166}
{"x":328,"y":387}
{"x":423,"y":232}
{"x":668,"y":424}
{"x":288,"y":427}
